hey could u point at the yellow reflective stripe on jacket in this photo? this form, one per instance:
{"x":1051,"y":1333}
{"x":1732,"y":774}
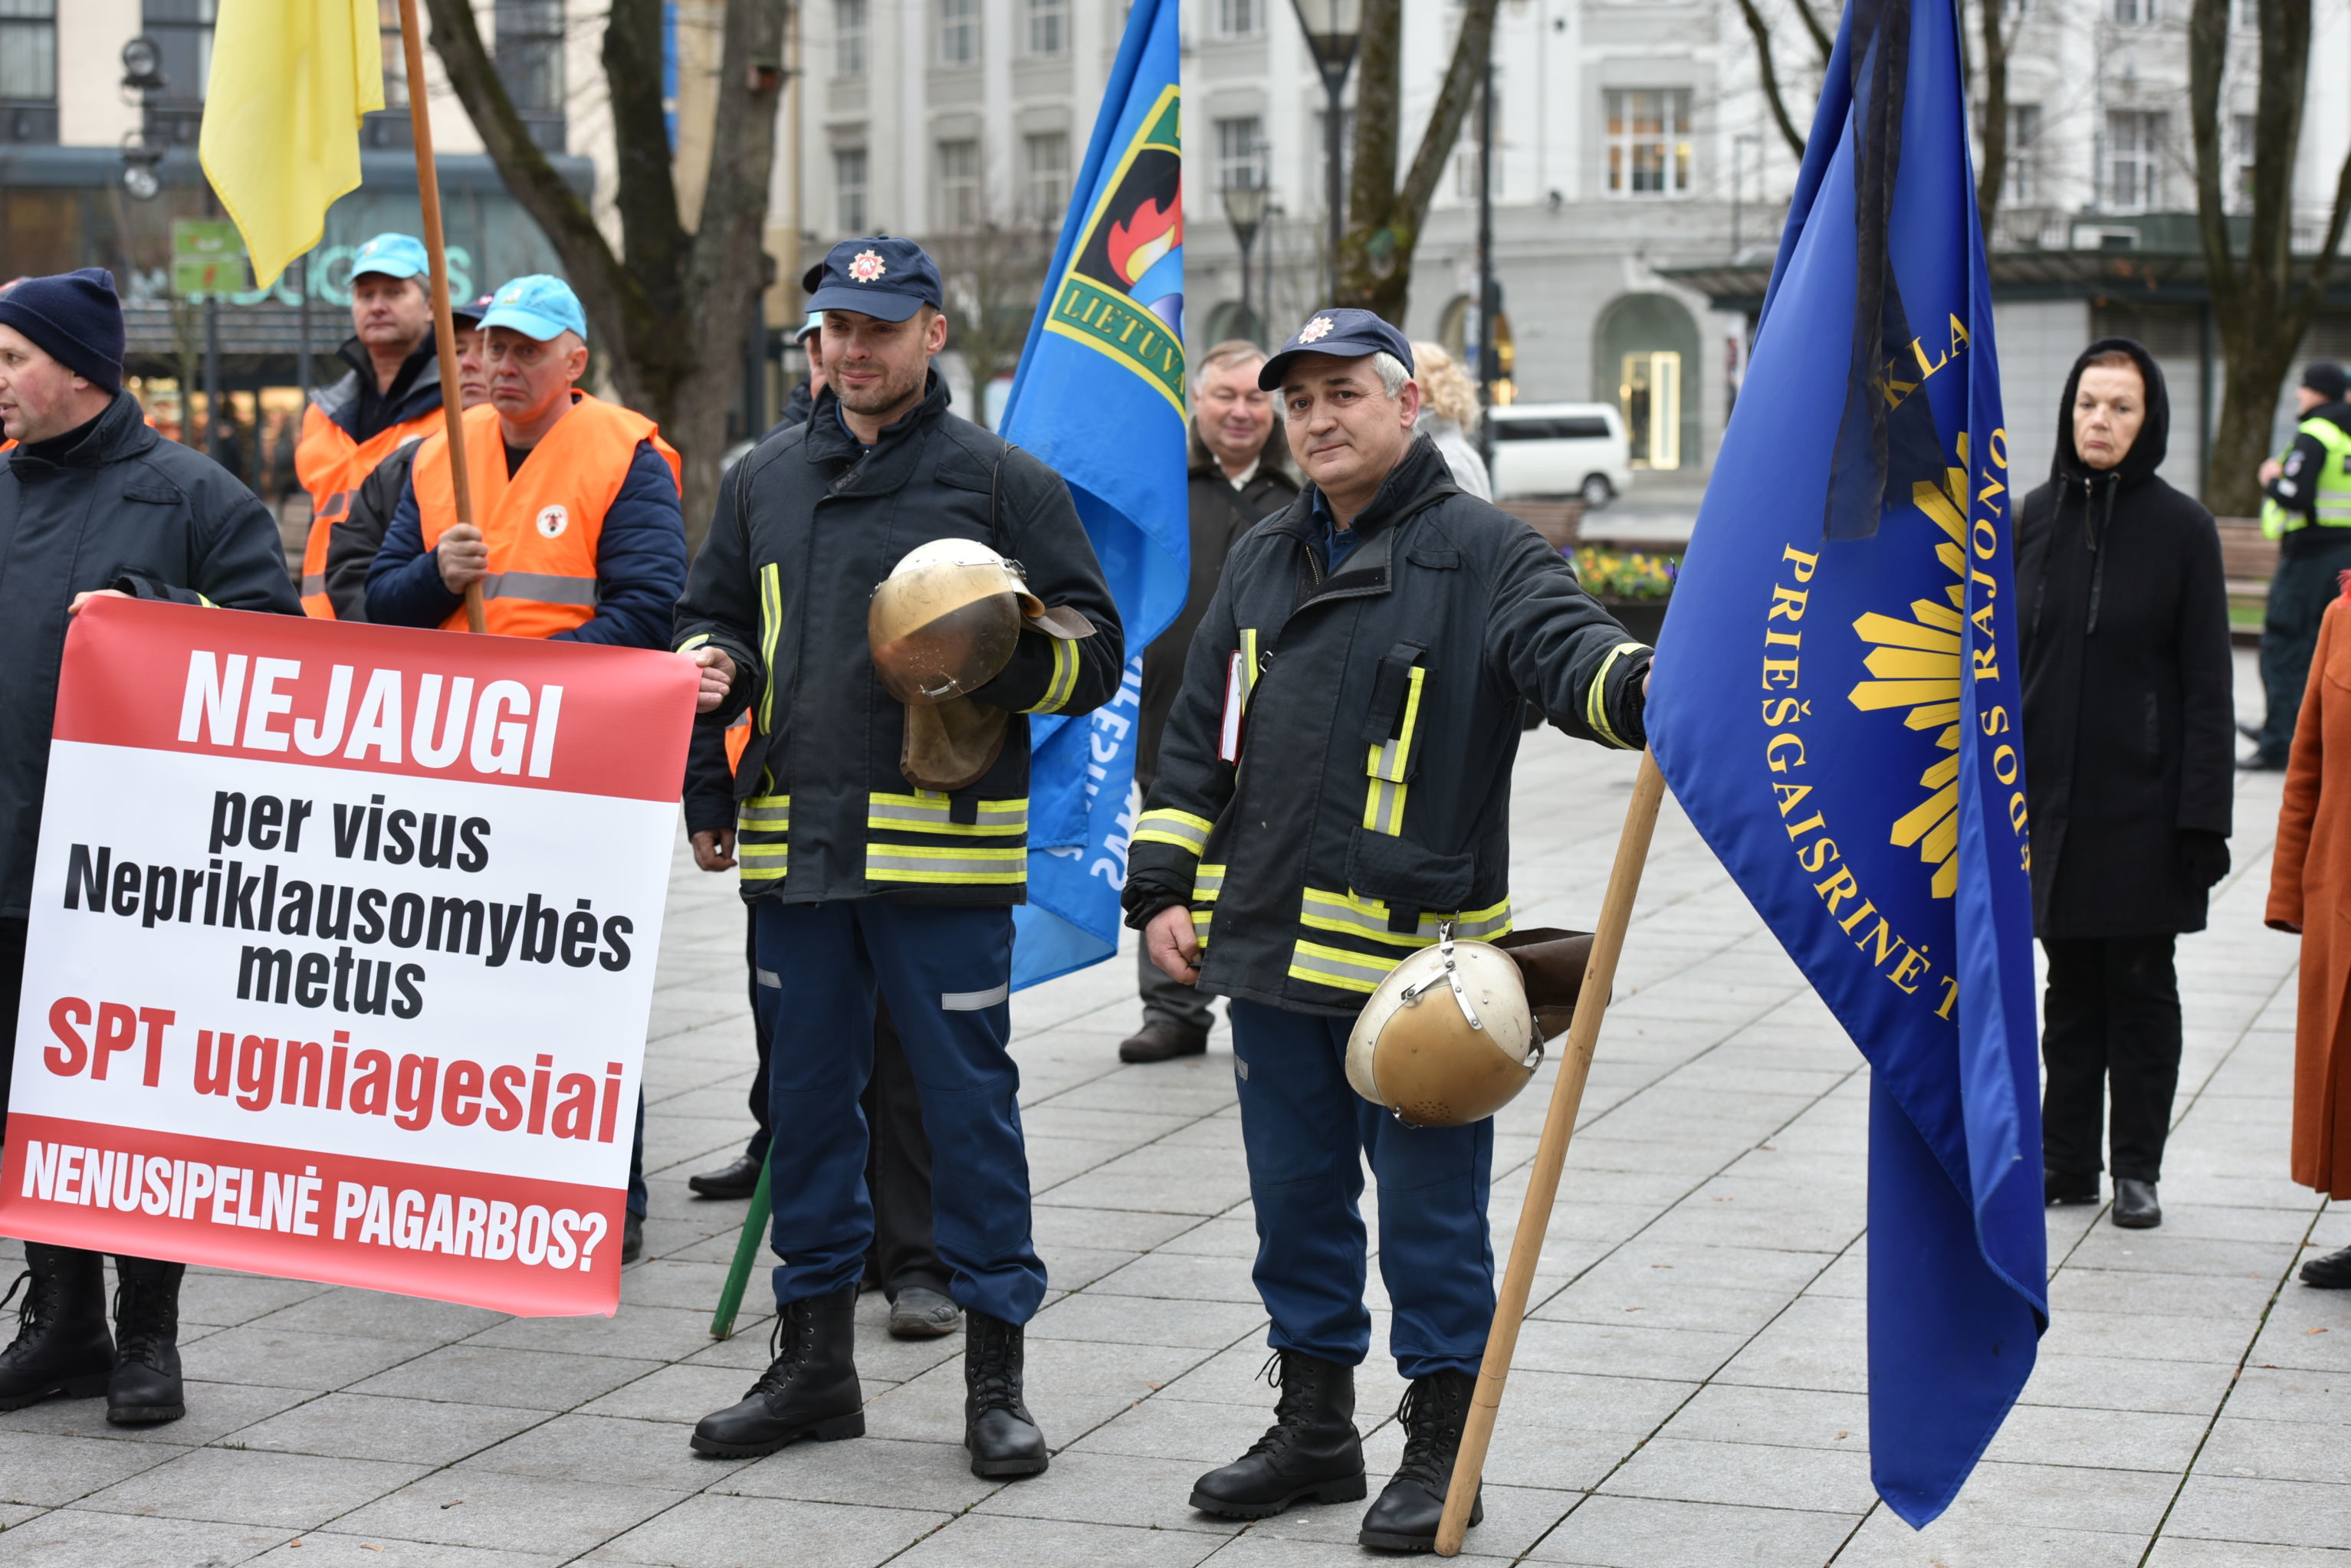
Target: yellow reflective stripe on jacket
{"x":1383,"y":807}
{"x":763,"y":825}
{"x":690,"y":643}
{"x":1390,"y":763}
{"x":1205,"y":887}
{"x":1201,"y":920}
{"x":1595,"y":700}
{"x":1368,"y":918}
{"x":1249,"y":662}
{"x":928,"y":812}
{"x":956,"y":864}
{"x":1064,"y":679}
{"x":2333,"y":501}
{"x":1338,"y":967}
{"x":771,"y":624}
{"x":1165,"y":825}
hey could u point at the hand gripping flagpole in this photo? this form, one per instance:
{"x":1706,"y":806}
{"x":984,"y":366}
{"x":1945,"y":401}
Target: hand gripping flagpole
{"x":1559,"y":1126}
{"x":445,"y":330}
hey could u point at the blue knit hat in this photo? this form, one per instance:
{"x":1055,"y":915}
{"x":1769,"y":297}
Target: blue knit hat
{"x":76,"y":319}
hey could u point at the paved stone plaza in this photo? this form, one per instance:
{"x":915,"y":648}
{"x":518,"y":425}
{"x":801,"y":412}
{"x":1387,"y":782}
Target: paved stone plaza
{"x":1688,"y":1394}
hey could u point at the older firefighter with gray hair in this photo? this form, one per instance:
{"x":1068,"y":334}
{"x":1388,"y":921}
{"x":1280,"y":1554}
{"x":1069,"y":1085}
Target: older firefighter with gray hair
{"x":1332,"y":795}
{"x":1240,"y":476}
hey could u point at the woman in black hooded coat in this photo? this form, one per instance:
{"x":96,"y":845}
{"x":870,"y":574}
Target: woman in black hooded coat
{"x":2129,"y":762}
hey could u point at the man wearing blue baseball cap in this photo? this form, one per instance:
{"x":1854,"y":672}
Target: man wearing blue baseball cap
{"x":881,"y":849}
{"x":1367,"y":655}
{"x":390,"y":397}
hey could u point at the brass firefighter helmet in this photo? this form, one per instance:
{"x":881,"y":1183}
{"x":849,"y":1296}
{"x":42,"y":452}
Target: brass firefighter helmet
{"x":944,"y":623}
{"x":1447,"y":1039}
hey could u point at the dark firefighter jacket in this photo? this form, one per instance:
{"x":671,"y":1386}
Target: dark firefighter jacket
{"x":806,"y":526}
{"x":1371,"y":800}
{"x":2123,"y":611}
{"x":122,"y":507}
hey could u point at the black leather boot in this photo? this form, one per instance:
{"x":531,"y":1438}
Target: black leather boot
{"x":997,"y":1427}
{"x":2134,"y":1205}
{"x":145,"y":1387}
{"x":1404,"y":1517}
{"x":1311,"y":1453}
{"x":810,"y":1391}
{"x":62,"y":1345}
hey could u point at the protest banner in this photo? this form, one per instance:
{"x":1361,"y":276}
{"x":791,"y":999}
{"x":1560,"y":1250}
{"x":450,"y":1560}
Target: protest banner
{"x":341,"y":949}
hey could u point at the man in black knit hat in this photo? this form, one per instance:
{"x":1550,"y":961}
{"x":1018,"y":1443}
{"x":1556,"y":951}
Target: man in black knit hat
{"x":92,"y":502}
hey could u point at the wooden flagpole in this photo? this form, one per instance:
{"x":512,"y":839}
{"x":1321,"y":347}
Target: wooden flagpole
{"x":1559,"y":1126}
{"x":445,"y":330}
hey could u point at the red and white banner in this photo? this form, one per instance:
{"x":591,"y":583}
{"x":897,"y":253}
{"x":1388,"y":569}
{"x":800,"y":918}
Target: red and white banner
{"x":342,"y":950}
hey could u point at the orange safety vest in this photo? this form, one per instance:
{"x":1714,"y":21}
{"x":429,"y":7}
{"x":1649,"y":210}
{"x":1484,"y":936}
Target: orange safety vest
{"x":332,"y":466}
{"x":543,"y":524}
{"x":738,"y":737}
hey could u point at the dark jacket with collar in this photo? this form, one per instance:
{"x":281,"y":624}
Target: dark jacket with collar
{"x":2123,"y":614}
{"x":1372,"y":794}
{"x":361,"y":410}
{"x":806,"y":526}
{"x":121,"y":508}
{"x":1220,"y":515}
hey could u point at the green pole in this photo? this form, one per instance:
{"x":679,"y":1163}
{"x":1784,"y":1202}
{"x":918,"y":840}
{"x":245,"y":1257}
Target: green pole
{"x":747,"y":1248}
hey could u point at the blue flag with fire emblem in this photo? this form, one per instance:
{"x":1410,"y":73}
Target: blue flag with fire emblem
{"x":1100,"y":396}
{"x":1836,"y":707}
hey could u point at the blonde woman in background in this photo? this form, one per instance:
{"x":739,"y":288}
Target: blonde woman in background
{"x":1448,"y":412}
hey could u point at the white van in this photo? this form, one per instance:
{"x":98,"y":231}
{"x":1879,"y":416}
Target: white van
{"x":1561,"y":449}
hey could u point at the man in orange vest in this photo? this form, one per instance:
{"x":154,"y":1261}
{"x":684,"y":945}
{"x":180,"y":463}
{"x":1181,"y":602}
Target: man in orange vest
{"x":579,"y":532}
{"x":391,"y":396}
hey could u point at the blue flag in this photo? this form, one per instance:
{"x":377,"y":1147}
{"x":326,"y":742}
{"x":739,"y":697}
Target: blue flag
{"x":1100,"y":397}
{"x":1837,"y":707}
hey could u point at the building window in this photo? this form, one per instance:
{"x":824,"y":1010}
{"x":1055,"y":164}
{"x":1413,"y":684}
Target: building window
{"x":1048,"y":26}
{"x":1045,"y":186}
{"x":2024,"y":177}
{"x":2135,"y":141}
{"x":2139,"y":11}
{"x":849,"y":188}
{"x":1649,"y":143}
{"x":958,"y":166}
{"x":529,"y":41}
{"x":28,"y":70}
{"x":1240,"y":151}
{"x":183,"y":35}
{"x":849,"y":20}
{"x":958,"y":32}
{"x":2241,"y":163}
{"x":1239,"y":18}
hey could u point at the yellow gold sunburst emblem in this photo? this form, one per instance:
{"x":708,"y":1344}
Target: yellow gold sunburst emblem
{"x":1917,"y":665}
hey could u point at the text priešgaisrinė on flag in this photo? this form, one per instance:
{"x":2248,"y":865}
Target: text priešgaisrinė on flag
{"x":1837,"y":706}
{"x":1100,"y":396}
{"x":291,"y":79}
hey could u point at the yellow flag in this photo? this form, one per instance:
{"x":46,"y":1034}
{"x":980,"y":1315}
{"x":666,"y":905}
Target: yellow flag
{"x":281,"y":136}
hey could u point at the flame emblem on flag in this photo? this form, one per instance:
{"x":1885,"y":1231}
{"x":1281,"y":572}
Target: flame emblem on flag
{"x":1123,"y":291}
{"x":1916,"y":666}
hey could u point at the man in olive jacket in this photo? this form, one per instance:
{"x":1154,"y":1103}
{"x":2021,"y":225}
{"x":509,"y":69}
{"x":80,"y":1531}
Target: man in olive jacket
{"x":1333,"y":790}
{"x":861,"y":881}
{"x":92,"y":502}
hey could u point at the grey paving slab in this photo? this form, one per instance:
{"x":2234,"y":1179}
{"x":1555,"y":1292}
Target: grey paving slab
{"x":1608,"y":1531}
{"x":330,"y":1549}
{"x":713,"y":1532}
{"x":82,"y":1537}
{"x":231,"y":1486}
{"x":376,"y":1427}
{"x":493,"y":1375}
{"x":514,"y":1513}
{"x":1001,"y":1541}
{"x":45,"y":1471}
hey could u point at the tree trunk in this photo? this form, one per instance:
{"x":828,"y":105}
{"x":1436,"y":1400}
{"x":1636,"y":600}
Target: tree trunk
{"x":1768,"y":72}
{"x":1383,"y":219}
{"x":1993,"y":128}
{"x":637,"y":299}
{"x":2260,"y":309}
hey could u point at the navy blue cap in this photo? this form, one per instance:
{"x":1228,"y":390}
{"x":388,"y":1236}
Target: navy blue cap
{"x":1344,"y":333}
{"x":881,"y":277}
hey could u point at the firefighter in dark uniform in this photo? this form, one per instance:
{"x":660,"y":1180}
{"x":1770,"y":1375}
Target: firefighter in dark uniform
{"x":92,"y":501}
{"x":1333,"y":792}
{"x":862,"y":880}
{"x":2306,"y":508}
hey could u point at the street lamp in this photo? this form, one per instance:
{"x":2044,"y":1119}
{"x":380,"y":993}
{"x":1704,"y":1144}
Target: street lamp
{"x":1334,"y":28}
{"x":1244,"y":198}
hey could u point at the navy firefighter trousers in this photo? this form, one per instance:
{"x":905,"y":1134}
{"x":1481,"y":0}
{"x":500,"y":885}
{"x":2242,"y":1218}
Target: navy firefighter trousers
{"x":1307,"y":1134}
{"x":946,"y":974}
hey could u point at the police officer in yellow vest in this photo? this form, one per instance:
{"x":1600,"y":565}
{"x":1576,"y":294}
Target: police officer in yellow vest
{"x":391,"y":396}
{"x":578,"y":531}
{"x":2306,"y":508}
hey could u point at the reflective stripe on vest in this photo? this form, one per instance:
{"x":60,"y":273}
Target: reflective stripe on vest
{"x":543,"y":523}
{"x":950,"y":865}
{"x":763,"y":831}
{"x":331,"y":467}
{"x":2331,"y":503}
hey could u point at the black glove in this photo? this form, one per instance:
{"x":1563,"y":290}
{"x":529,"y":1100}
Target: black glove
{"x":2203,"y":857}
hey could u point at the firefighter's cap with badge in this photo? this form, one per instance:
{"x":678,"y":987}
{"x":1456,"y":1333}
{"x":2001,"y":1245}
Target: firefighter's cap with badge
{"x":881,"y":277}
{"x":1342,"y":333}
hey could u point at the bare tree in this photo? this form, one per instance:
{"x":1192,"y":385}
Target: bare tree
{"x":993,"y":277}
{"x":1767,"y":67}
{"x":669,"y":309}
{"x":1384,"y":220}
{"x":2260,"y":307}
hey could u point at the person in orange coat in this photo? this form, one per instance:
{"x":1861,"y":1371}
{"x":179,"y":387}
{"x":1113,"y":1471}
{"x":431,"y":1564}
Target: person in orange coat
{"x":2310,"y":893}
